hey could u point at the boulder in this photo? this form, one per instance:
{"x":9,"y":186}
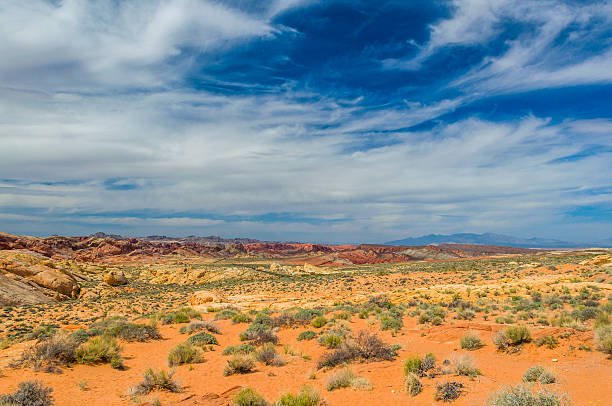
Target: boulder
{"x":115,"y":278}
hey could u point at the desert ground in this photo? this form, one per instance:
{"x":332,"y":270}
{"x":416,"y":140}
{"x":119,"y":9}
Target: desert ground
{"x":221,"y":324}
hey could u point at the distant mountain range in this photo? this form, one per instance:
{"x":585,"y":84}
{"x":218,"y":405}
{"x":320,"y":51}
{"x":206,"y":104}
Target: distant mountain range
{"x":496,"y":239}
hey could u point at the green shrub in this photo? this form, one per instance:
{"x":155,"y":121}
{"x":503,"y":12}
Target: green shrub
{"x":521,"y":395}
{"x":518,"y":334}
{"x":183,"y":353}
{"x":539,"y":374}
{"x":29,"y":393}
{"x":318,"y":322}
{"x":248,"y":397}
{"x":549,"y":341}
{"x":152,"y":381}
{"x":391,"y":323}
{"x":200,"y":339}
{"x":306,"y":335}
{"x":603,"y":339}
{"x":471,"y":342}
{"x":183,"y":315}
{"x":239,"y":364}
{"x":269,"y":356}
{"x":42,"y":331}
{"x":412,"y":365}
{"x":331,"y":340}
{"x":241,"y":318}
{"x":99,"y":350}
{"x":306,"y":397}
{"x":413,"y":384}
{"x":225,"y":314}
{"x":197,"y":325}
{"x":340,"y":379}
{"x":239,"y":349}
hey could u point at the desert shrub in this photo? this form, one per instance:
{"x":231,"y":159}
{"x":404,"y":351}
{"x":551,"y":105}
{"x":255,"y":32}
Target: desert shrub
{"x":239,"y":364}
{"x":539,"y":374}
{"x":344,"y":354}
{"x":121,"y":328}
{"x":248,"y":397}
{"x":283,"y":320}
{"x":318,"y":322}
{"x":197,"y":325}
{"x":366,"y":346}
{"x":306,"y":335}
{"x":239,"y":349}
{"x":524,"y":396}
{"x":183,"y":353}
{"x":466,"y":314}
{"x":49,"y":353}
{"x":585,"y":313}
{"x":340,"y":379}
{"x":305,"y":316}
{"x":448,"y":391}
{"x":100,"y":349}
{"x":225,"y":314}
{"x":412,"y":365}
{"x":200,"y":339}
{"x":413,"y":384}
{"x":152,"y":381}
{"x":511,"y":336}
{"x":391,"y":323}
{"x":183,"y":315}
{"x":306,"y":397}
{"x":269,"y":356}
{"x":259,"y":334}
{"x":361,"y":383}
{"x":241,"y":318}
{"x":549,"y":341}
{"x":343,"y":315}
{"x":466,"y":366}
{"x":42,"y":331}
{"x":603,"y":339}
{"x":471,"y":342}
{"x":331,"y":340}
{"x":29,"y":393}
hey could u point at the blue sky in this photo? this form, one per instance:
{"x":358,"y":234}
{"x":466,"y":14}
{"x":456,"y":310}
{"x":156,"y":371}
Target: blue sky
{"x":331,"y":121}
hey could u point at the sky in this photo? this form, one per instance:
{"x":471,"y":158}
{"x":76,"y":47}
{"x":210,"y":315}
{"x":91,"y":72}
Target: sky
{"x":321,"y":121}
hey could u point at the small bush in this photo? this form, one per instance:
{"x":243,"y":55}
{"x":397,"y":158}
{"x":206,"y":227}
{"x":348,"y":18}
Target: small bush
{"x":539,"y":374}
{"x":29,"y":393}
{"x":331,"y":340}
{"x":241,"y":318}
{"x":391,"y":323}
{"x":225,"y":314}
{"x":306,"y":397}
{"x":134,"y":332}
{"x":603,"y":339}
{"x":413,"y":384}
{"x":466,"y":366}
{"x":259,"y":334}
{"x":183,"y":315}
{"x":197,"y":325}
{"x":239,"y":349}
{"x":239,"y":364}
{"x":412,"y":365}
{"x":49,"y":353}
{"x":183,"y":354}
{"x":153,"y":381}
{"x":306,"y":335}
{"x":448,"y":391}
{"x":41,"y":332}
{"x":471,"y":342}
{"x":99,"y":350}
{"x":269,"y":356}
{"x":200,"y":339}
{"x":318,"y":322}
{"x":518,"y":335}
{"x":248,"y":397}
{"x":340,"y":379}
{"x":521,"y":395}
{"x":549,"y":341}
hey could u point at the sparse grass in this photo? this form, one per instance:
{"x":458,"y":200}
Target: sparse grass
{"x":340,"y":379}
{"x":471,"y":342}
{"x":603,"y":339}
{"x":152,"y":381}
{"x":413,"y":384}
{"x":100,"y":350}
{"x":550,"y":342}
{"x":184,"y":353}
{"x":29,"y":393}
{"x":49,"y":353}
{"x":525,"y":396}
{"x":249,"y":397}
{"x":539,"y":374}
{"x":306,"y":397}
{"x":239,"y":364}
{"x":466,"y":366}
